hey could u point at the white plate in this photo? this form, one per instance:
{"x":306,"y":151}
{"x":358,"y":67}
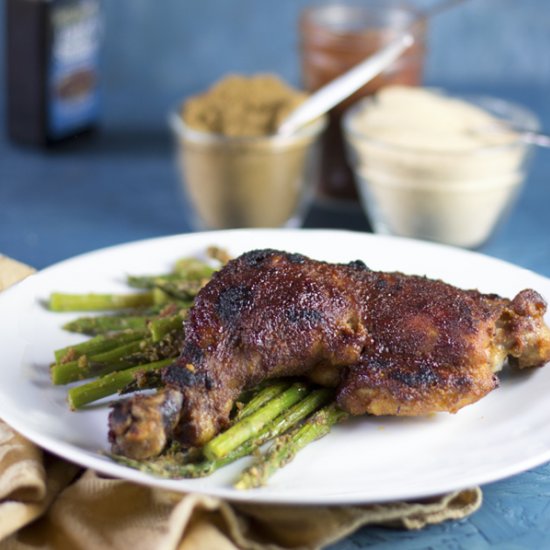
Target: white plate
{"x":365,"y":460}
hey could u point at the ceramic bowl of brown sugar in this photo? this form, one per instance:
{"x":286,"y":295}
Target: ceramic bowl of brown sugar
{"x":236,"y":171}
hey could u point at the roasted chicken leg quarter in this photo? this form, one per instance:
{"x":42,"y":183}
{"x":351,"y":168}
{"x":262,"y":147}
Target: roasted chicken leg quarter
{"x":389,"y":343}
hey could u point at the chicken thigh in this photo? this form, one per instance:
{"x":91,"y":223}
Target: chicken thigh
{"x":389,"y":343}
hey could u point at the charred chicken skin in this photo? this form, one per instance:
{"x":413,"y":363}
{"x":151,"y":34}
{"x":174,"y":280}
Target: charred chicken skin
{"x":389,"y":343}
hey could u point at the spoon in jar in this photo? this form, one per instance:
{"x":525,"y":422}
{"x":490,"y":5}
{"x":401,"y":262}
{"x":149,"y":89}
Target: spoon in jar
{"x":328,"y":96}
{"x":535,"y":138}
{"x":529,"y":137}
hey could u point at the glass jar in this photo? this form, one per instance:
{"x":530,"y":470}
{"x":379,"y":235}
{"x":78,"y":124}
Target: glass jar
{"x":454,"y":186}
{"x":247,"y":181}
{"x":336,"y":36}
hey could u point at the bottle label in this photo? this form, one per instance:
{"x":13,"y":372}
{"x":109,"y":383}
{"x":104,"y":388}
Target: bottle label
{"x":74,"y":66}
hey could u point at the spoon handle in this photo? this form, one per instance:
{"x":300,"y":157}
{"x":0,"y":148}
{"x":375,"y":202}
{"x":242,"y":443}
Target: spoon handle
{"x":342,"y":87}
{"x":536,"y":138}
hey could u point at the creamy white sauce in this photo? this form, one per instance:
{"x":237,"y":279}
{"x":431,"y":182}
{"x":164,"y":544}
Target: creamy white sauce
{"x":434,"y":167}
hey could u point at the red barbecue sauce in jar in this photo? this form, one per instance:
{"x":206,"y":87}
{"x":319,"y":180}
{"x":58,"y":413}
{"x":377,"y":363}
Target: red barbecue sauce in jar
{"x":334,"y":38}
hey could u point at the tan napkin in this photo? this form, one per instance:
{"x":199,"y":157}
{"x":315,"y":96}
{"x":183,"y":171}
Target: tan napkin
{"x":48,"y":503}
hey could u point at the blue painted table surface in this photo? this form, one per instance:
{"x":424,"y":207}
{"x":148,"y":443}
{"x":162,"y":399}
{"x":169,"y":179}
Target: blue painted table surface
{"x":122,"y":186}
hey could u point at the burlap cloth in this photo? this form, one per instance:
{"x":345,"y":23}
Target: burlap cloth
{"x":48,"y":503}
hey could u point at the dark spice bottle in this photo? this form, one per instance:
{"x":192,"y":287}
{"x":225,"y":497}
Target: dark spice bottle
{"x":52,"y":63}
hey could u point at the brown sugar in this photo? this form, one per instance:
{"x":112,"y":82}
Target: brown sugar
{"x":242,"y":106}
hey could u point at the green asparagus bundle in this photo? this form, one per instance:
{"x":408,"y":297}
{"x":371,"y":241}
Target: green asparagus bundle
{"x":287,"y":446}
{"x":138,"y":330}
{"x":245,"y":437}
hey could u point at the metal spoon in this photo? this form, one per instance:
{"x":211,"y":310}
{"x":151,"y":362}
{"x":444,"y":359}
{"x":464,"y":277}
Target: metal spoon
{"x":342,"y":87}
{"x":535,"y":138}
{"x":529,"y":137}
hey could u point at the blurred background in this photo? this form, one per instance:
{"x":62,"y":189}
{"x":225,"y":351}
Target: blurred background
{"x":122,"y":184}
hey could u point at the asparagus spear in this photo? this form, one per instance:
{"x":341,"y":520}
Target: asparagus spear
{"x":94,"y":365}
{"x":148,"y":282}
{"x":185,"y":289}
{"x":162,"y":298}
{"x":193,"y":273}
{"x":161,"y":326}
{"x":105,"y":323}
{"x":136,"y":318}
{"x":192,"y":268}
{"x":143,"y":380}
{"x":281,"y":424}
{"x":168,"y":346}
{"x":219,"y":254}
{"x":251,"y":425}
{"x":287,"y":446}
{"x":185,"y":269}
{"x":261,"y":398}
{"x":109,"y":384}
{"x":60,"y":301}
{"x":98,"y":344}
